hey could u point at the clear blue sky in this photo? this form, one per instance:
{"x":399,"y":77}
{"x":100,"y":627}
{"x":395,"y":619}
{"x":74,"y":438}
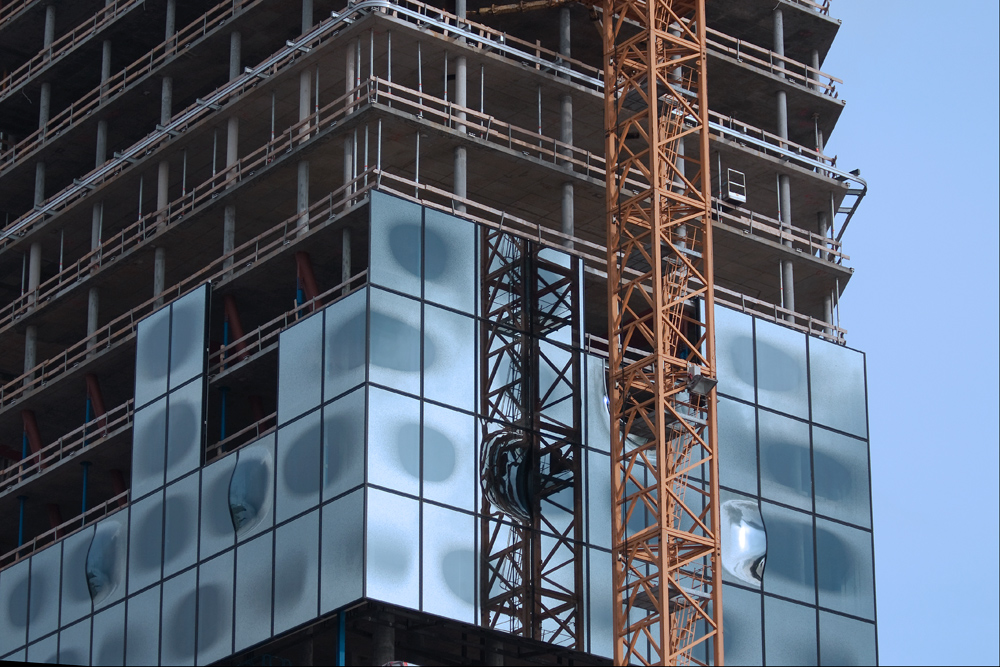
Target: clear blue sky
{"x":920,"y":80}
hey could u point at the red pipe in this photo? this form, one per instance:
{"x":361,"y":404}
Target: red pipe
{"x":96,"y":399}
{"x":235,"y":326}
{"x":31,"y":428}
{"x":307,"y":277}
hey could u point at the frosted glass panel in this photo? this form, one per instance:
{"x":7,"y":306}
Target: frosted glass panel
{"x":449,"y":261}
{"x":143,"y":632}
{"x":598,"y":417}
{"x":187,"y":337}
{"x":253,"y":591}
{"x":449,"y":563}
{"x":737,"y":446}
{"x":395,"y":343}
{"x":296,"y":572}
{"x":781,"y":369}
{"x":145,"y":557}
{"x":106,"y":560}
{"x":396,"y":239}
{"x":300,"y":368}
{"x":450,"y":358}
{"x":601,"y":607}
{"x":845,"y":641}
{"x":14,"y":607}
{"x":109,"y":636}
{"x":45,"y":651}
{"x":215,"y":609}
{"x":394,"y":441}
{"x":297,"y":489}
{"x":180,"y":533}
{"x":844,"y":561}
{"x":343,"y":558}
{"x":251,"y":489}
{"x":344,"y":444}
{"x":216,"y":522}
{"x":75,"y":593}
{"x":789,"y":567}
{"x":841,"y":466}
{"x":741,"y":613}
{"x":177,"y":619}
{"x":346,"y":344}
{"x":449,"y":457}
{"x":152,"y":348}
{"x":789,"y":633}
{"x":184,"y":429}
{"x":837,"y":378}
{"x":785,"y":469}
{"x":74,"y":644}
{"x":734,"y":353}
{"x":43,"y":608}
{"x":149,"y":441}
{"x":393,"y":549}
{"x":599,"y":499}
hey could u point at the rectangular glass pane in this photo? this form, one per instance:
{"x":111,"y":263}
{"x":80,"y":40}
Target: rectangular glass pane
{"x":344,"y":444}
{"x":74,"y":644}
{"x":75,"y":597}
{"x":179,"y":611}
{"x":187,"y":337}
{"x":297,"y":488}
{"x":342,"y":570}
{"x":449,"y":457}
{"x":734,"y":359}
{"x":215,"y":609}
{"x":107,"y":560}
{"x":449,"y":261}
{"x":43,"y":608}
{"x":744,"y":539}
{"x":785,"y":468}
{"x":145,"y":555}
{"x":216,"y":523}
{"x":253,"y":591}
{"x":741,"y":614}
{"x":149,"y":443}
{"x":45,"y":651}
{"x":152,"y":356}
{"x":846,"y":578}
{"x":556,"y":381}
{"x":395,"y":342}
{"x":143,"y":630}
{"x":602,"y":625}
{"x":296,"y":572}
{"x":788,"y":570}
{"x":184,"y":429}
{"x":394,"y":441}
{"x":781,"y":369}
{"x":841,"y":466}
{"x":598,"y":417}
{"x":180,"y":534}
{"x":346,"y":341}
{"x":300,"y":368}
{"x":449,"y":359}
{"x":251,"y":489}
{"x":837,"y":381}
{"x":109,"y":636}
{"x":599,"y":499}
{"x":789,"y":632}
{"x":845,"y":641}
{"x":737,"y":446}
{"x":14,"y":606}
{"x":449,"y":563}
{"x":392,"y":549}
{"x":396,"y":239}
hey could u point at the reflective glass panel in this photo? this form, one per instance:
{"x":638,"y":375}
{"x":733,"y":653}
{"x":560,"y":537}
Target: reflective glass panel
{"x":296,"y":572}
{"x":449,"y":261}
{"x":781,"y":369}
{"x":14,"y":606}
{"x":450,"y":358}
{"x":449,"y":563}
{"x":734,"y":357}
{"x":837,"y":380}
{"x":844,"y":560}
{"x":74,"y":644}
{"x":177,"y":619}
{"x":393,"y":549}
{"x":187,"y":337}
{"x":449,"y":457}
{"x":396,"y":239}
{"x":744,"y":539}
{"x":395,"y":343}
{"x":43,"y":608}
{"x":788,"y":569}
{"x":344,"y":444}
{"x":737,"y":446}
{"x":143,"y":631}
{"x":253,"y":591}
{"x":149,"y":442}
{"x":297,"y":488}
{"x":598,"y":417}
{"x":602,"y":625}
{"x":599,"y":499}
{"x":394,"y":441}
{"x":555,"y":379}
{"x":145,"y":557}
{"x":45,"y":651}
{"x":741,"y":613}
{"x":216,"y":522}
{"x":215,"y":609}
{"x":785,"y":468}
{"x":151,"y":357}
{"x":180,"y":533}
{"x":251,"y":489}
{"x":106,"y":560}
{"x":841,"y":466}
{"x":346,"y":339}
{"x":109,"y":636}
{"x":845,"y":641}
{"x":343,"y":558}
{"x":184,"y":429}
{"x":300,"y":368}
{"x":789,"y":633}
{"x":75,"y":592}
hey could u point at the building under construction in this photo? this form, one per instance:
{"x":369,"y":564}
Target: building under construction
{"x":455,"y":333}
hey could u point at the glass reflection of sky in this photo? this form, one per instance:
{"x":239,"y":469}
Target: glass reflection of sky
{"x":744,"y":541}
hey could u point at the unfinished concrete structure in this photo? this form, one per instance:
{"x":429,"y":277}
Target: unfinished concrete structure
{"x":150,"y":148}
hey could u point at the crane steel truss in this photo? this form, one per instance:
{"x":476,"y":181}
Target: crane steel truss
{"x":661,"y":355}
{"x":532,"y":576}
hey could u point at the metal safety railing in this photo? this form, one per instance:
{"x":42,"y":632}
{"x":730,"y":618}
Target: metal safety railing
{"x":12,"y":9}
{"x":755,"y":224}
{"x":822,"y":7}
{"x":244,"y":436}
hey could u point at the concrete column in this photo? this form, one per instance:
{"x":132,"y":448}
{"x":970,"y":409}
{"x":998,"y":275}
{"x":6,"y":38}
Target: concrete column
{"x":779,"y":33}
{"x":159,"y":274}
{"x":305,"y":105}
{"x":31,"y":332}
{"x":232,"y":149}
{"x":307,"y":15}
{"x":345,"y":263}
{"x":34,"y":268}
{"x":493,"y":654}
{"x":815,"y":66}
{"x":30,"y":351}
{"x":171,"y":21}
{"x":782,"y":106}
{"x":302,"y":197}
{"x":350,"y":73}
{"x":44,"y":105}
{"x":383,"y":640}
{"x":39,"y":183}
{"x":166,"y":100}
{"x":567,"y":225}
{"x":235,"y":54}
{"x":93,"y":305}
{"x":105,"y":62}
{"x":50,"y":26}
{"x":305,"y":101}
{"x":788,"y":287}
{"x":787,"y":274}
{"x":461,"y":172}
{"x":823,"y":227}
{"x":828,"y":312}
{"x":461,"y":99}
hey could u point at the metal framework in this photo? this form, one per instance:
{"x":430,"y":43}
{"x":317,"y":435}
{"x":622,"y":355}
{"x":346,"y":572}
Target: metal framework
{"x":662,"y":358}
{"x":532,"y":577}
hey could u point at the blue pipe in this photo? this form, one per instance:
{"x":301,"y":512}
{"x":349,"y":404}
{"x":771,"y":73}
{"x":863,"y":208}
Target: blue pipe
{"x":341,"y":639}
